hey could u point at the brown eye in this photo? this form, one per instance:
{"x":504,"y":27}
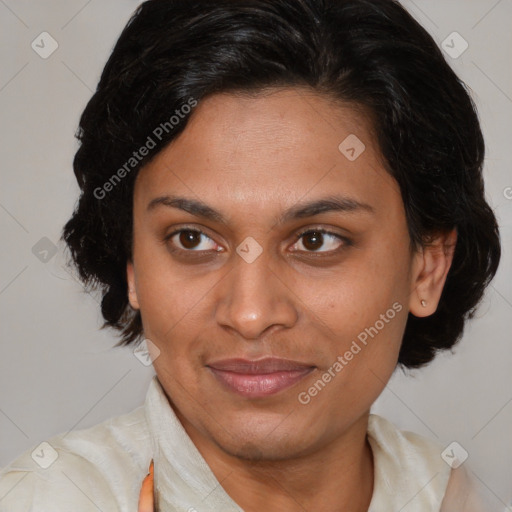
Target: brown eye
{"x":313,"y":240}
{"x":320,"y":241}
{"x":189,"y":239}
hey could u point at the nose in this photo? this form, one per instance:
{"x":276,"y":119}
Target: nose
{"x":254,"y":299}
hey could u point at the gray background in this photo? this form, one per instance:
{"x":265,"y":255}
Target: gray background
{"x":59,"y":372}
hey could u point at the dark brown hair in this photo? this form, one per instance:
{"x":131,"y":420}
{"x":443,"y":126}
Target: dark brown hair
{"x":368,"y":52}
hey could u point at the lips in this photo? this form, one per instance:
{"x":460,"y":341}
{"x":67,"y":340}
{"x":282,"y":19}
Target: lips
{"x":258,"y":378}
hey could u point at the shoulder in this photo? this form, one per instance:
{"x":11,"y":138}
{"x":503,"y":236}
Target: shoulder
{"x":96,"y":468}
{"x":409,"y":449}
{"x":409,"y":471}
{"x":464,"y":493}
{"x":413,"y":474}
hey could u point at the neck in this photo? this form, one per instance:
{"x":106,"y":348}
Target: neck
{"x":337,"y":476}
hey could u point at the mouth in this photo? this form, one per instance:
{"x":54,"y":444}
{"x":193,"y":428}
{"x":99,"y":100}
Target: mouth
{"x":259,"y":378}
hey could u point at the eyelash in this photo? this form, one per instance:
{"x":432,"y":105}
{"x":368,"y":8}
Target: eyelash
{"x":346,"y":241}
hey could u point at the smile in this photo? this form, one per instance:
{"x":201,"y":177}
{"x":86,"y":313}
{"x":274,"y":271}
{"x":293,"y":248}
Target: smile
{"x":257,"y":379}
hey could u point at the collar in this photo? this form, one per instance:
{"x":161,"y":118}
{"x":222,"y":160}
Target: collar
{"x":403,"y":463}
{"x":183,"y":480}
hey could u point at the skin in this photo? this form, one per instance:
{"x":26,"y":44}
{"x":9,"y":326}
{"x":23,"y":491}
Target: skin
{"x":251,"y":158}
{"x":146,"y":501}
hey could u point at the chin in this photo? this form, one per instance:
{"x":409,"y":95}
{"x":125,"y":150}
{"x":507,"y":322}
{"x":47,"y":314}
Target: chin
{"x":254,"y":440}
{"x":259,"y":451}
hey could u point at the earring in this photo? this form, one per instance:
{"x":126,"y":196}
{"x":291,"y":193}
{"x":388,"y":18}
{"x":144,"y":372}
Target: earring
{"x":424,"y":303}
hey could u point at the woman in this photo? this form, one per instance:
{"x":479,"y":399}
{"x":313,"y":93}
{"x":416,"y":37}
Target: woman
{"x":284,"y":198}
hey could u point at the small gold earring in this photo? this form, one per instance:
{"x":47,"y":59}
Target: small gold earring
{"x":424,"y":303}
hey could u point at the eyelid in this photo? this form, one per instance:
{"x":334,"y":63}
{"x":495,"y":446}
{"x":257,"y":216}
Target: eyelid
{"x":318,"y":229}
{"x":179,"y":229}
{"x":346,"y":241}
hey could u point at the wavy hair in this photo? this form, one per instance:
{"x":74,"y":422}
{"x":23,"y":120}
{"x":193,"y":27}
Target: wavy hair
{"x":370,"y":53}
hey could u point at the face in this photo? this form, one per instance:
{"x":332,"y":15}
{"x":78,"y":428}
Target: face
{"x":272,"y":270}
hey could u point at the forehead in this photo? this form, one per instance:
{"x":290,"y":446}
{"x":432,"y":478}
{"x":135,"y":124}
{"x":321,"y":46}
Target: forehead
{"x":269,"y":150}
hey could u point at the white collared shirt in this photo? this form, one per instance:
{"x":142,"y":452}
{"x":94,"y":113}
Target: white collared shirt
{"x":102,"y":468}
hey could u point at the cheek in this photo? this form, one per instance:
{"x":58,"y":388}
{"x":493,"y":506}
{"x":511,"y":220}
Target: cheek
{"x":362,"y":360}
{"x":354,"y":298}
{"x":361,"y":313}
{"x":171,"y":301}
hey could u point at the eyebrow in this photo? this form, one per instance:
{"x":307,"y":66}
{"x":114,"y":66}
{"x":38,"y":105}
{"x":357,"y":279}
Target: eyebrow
{"x":300,"y":211}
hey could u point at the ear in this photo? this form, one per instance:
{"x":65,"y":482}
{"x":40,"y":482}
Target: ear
{"x":132,"y":290}
{"x":430,"y":268}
